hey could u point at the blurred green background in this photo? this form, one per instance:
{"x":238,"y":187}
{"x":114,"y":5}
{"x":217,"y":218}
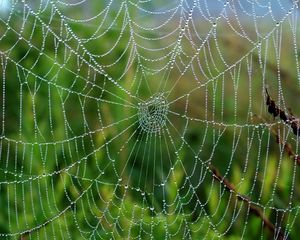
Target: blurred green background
{"x":74,"y":162}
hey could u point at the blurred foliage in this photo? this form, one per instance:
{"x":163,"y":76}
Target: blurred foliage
{"x":87,"y":194}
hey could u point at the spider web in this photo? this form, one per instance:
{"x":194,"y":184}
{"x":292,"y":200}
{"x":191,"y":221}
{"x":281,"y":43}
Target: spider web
{"x":147,"y":119}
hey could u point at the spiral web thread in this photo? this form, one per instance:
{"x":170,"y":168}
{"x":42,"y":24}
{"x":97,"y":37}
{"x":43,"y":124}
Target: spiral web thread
{"x":147,"y":119}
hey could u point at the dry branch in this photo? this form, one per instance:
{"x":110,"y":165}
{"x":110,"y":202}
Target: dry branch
{"x":255,"y":210}
{"x":289,"y":119}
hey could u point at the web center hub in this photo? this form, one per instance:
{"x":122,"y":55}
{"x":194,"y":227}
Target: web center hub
{"x":153,"y":113}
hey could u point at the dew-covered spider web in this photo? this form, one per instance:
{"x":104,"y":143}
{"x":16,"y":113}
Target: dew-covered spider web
{"x":139,"y":119}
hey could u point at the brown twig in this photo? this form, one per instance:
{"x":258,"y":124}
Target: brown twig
{"x":267,"y":224}
{"x":287,"y":148}
{"x":287,"y":118}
